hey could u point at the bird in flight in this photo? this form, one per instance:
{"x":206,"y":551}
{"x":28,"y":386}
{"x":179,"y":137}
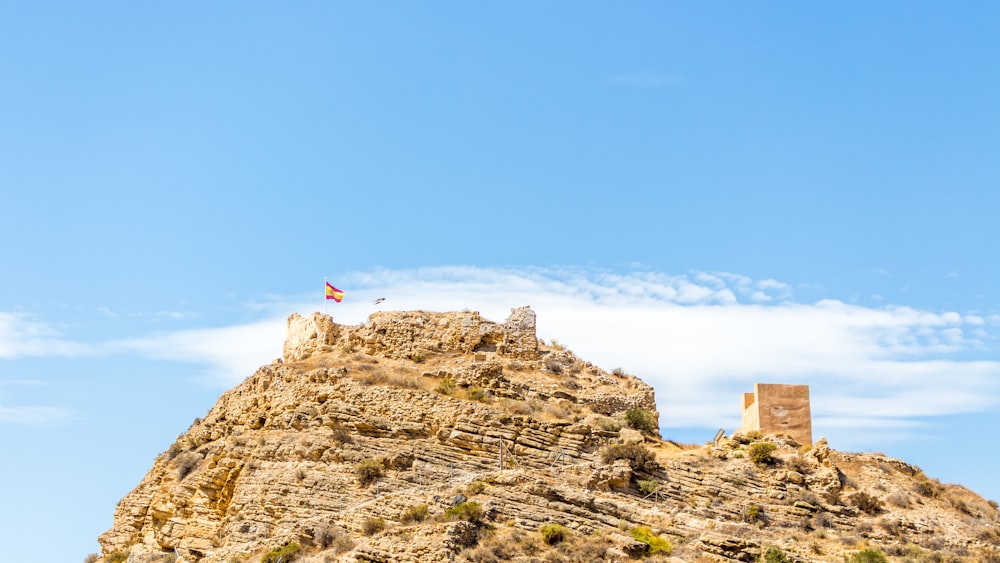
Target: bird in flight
{"x":379,"y":300}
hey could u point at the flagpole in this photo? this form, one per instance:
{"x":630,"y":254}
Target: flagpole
{"x":324,"y":294}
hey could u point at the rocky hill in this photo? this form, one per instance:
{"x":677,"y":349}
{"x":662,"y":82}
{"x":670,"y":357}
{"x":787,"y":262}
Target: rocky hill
{"x":447,"y":437}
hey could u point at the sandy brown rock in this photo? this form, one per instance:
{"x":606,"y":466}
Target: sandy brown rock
{"x":336,"y":447}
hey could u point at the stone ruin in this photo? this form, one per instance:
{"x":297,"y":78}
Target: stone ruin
{"x":408,"y":334}
{"x":778,"y":409}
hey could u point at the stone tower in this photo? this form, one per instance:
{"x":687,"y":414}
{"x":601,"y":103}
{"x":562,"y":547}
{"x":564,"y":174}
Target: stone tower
{"x":778,"y":409}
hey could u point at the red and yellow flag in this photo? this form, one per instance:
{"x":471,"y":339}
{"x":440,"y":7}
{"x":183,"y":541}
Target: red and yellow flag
{"x":333,"y":293}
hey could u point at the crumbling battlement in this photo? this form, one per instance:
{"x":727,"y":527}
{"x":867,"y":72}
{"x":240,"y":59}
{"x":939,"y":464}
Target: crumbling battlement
{"x":407,"y":334}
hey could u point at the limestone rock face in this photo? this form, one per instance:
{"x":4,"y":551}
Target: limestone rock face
{"x":425,"y":436}
{"x":308,"y":336}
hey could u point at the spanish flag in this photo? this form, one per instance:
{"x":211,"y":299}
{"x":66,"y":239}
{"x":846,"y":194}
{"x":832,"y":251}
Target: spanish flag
{"x":333,"y":293}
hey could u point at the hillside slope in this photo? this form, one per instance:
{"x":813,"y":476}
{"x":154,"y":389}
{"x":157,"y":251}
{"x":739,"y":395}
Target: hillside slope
{"x":446,"y":437}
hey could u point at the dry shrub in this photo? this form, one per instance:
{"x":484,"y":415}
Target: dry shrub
{"x":368,"y":471}
{"x":899,"y":499}
{"x":866,"y":503}
{"x":340,"y":434}
{"x":553,"y":365}
{"x":761,"y":453}
{"x":553,"y":533}
{"x":372,"y":526}
{"x":187,"y":463}
{"x":413,"y":514}
{"x":639,"y":458}
{"x":373,"y":376}
{"x":642,"y":420}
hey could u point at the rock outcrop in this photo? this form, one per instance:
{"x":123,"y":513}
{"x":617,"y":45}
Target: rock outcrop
{"x":444,"y":437}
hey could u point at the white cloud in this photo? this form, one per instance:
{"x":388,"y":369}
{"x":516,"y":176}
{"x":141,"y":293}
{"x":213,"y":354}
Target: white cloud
{"x":703,"y":339}
{"x":700,"y":339}
{"x":34,"y":415}
{"x":22,"y":336}
{"x":30,"y":415}
{"x":231,"y":353}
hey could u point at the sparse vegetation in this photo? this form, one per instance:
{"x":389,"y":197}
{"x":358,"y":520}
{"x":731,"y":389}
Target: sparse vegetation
{"x":368,"y":471}
{"x":470,"y":511}
{"x":446,"y":386}
{"x":647,"y":487}
{"x":773,"y":555}
{"x":868,"y":555}
{"x":752,"y":514}
{"x":187,"y":463}
{"x":639,"y":458}
{"x":761,"y":453}
{"x":554,"y":534}
{"x":553,"y":365}
{"x":340,"y":434}
{"x":642,"y":420}
{"x":479,"y":394}
{"x":414,"y":514}
{"x":324,"y":537}
{"x":285,"y":553}
{"x":372,"y":526}
{"x":924,"y":486}
{"x":609,"y":424}
{"x":116,"y":557}
{"x":618,"y":372}
{"x":656,"y":543}
{"x":866,"y":503}
{"x":91,"y":558}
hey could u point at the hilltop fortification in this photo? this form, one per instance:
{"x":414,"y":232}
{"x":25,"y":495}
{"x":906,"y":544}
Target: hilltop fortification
{"x":422,"y":436}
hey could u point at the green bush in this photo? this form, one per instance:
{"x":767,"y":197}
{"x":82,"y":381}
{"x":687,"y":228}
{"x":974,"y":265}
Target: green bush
{"x":642,"y":420}
{"x":647,"y":487}
{"x":285,"y":553}
{"x":656,"y":543}
{"x":773,"y":555}
{"x":762,"y":453}
{"x":414,"y":514}
{"x":116,"y":557}
{"x":752,"y":514}
{"x":470,"y":511}
{"x":446,"y":386}
{"x":368,"y":471}
{"x":868,"y":555}
{"x":638,"y":457}
{"x":554,"y":533}
{"x":479,"y":394}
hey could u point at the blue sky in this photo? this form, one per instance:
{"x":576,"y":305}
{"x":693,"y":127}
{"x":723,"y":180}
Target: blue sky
{"x":705,"y":195}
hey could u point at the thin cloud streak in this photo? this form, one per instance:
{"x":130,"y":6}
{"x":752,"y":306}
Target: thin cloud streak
{"x":35,"y":415}
{"x":22,"y":336}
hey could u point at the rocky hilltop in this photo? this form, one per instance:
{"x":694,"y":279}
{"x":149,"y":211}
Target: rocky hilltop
{"x":423,"y":436}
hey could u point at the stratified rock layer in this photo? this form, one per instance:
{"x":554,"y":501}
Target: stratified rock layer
{"x":344,"y":445}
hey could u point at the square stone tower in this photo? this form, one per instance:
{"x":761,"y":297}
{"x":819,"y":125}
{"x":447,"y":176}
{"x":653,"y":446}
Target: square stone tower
{"x":778,"y":409}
